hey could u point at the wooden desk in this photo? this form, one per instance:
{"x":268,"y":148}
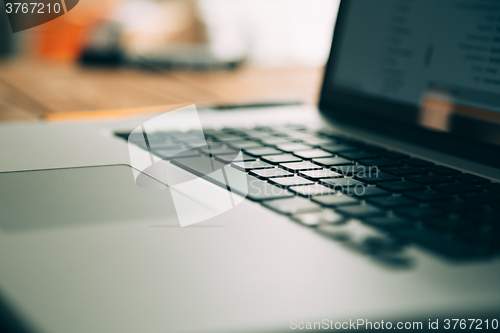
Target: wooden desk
{"x":32,"y":89}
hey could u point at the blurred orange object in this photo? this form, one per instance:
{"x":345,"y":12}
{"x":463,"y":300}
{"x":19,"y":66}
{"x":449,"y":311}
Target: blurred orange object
{"x":63,"y":38}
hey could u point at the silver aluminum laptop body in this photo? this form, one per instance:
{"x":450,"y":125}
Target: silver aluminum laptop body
{"x":84,"y":249}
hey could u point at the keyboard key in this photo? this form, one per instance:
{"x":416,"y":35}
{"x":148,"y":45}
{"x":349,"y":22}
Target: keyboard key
{"x":260,"y":190}
{"x":437,"y":242}
{"x":417,"y":162}
{"x":199,"y":165}
{"x":427,"y":179}
{"x":456,"y":205}
{"x":376,"y":177}
{"x":281,"y":158}
{"x":298,"y":166}
{"x":290,"y":147}
{"x":209,"y":132}
{"x":418,"y":212}
{"x":326,"y":216}
{"x":163,"y":137}
{"x":254,"y":188}
{"x":358,"y":155}
{"x":182,"y":137}
{"x":241,"y":131}
{"x":290,"y":181}
{"x":335,"y":200}
{"x":315,"y":141}
{"x":483,"y":197}
{"x":446,"y":224}
{"x":255,"y":134}
{"x":226,"y":137}
{"x":169,"y":154}
{"x":401,"y":186}
{"x":216,"y":145}
{"x":370,"y":191}
{"x":404,"y":170}
{"x":442,"y":170}
{"x":133,"y":137}
{"x":226,"y":130}
{"x":456,"y":188}
{"x":353,"y":170}
{"x":360,"y":211}
{"x":262,"y":151}
{"x":342,"y":183}
{"x":427,"y":195}
{"x":286,"y":132}
{"x":218,"y":150}
{"x":294,"y":134}
{"x":330,"y":161}
{"x":245,"y":144}
{"x":394,"y":155}
{"x":389,"y":222}
{"x":313,"y":153}
{"x":273,"y":140}
{"x":338,"y":148}
{"x":472,"y":179}
{"x":492,"y":186}
{"x":381,"y":162}
{"x":391,"y":202}
{"x":270,"y":173}
{"x":157,"y":137}
{"x":318,"y":174}
{"x":310,"y":190}
{"x":294,"y":205}
{"x":163,"y":146}
{"x":228,"y":158}
{"x":252,"y":165}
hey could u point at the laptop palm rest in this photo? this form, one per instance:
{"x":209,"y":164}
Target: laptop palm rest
{"x":55,"y":198}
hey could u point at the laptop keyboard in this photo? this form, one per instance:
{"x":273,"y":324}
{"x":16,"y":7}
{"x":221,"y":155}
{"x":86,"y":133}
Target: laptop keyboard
{"x":319,"y":178}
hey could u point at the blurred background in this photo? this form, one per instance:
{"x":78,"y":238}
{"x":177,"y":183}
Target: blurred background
{"x":112,"y":58}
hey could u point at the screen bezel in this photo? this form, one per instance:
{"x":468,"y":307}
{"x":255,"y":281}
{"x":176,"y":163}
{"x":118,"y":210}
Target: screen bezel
{"x":396,"y":119}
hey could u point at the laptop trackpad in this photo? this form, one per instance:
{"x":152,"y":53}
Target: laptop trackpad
{"x":54,"y":198}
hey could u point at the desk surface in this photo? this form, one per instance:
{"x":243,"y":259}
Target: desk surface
{"x":31,"y":89}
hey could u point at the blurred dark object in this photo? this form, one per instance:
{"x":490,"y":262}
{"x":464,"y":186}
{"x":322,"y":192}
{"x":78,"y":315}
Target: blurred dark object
{"x":105,"y":47}
{"x":232,"y":107}
{"x":6,"y":35}
{"x":149,"y":34}
{"x":187,"y":56}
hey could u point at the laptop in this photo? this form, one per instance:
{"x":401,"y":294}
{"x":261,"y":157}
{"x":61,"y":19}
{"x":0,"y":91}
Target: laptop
{"x":377,"y":210}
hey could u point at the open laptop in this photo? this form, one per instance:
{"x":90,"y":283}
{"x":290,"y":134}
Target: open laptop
{"x":411,"y":90}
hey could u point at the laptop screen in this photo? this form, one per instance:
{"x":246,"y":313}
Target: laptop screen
{"x":435,"y":64}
